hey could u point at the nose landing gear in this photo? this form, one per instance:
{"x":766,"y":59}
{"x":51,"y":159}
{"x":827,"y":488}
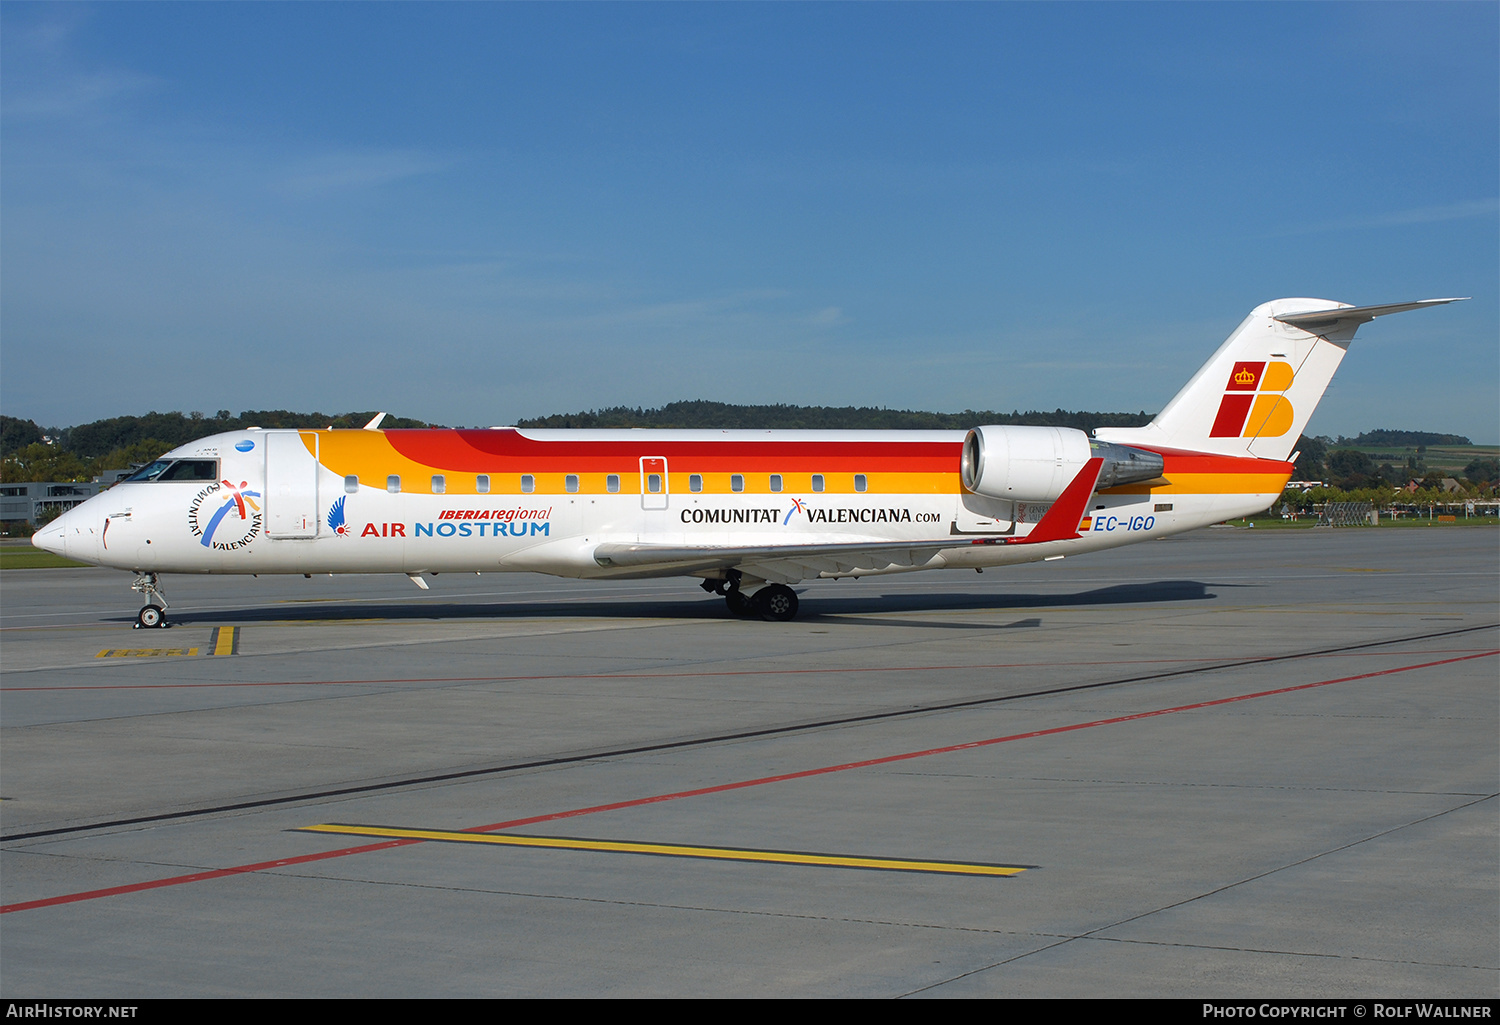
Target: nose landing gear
{"x":151,"y":614}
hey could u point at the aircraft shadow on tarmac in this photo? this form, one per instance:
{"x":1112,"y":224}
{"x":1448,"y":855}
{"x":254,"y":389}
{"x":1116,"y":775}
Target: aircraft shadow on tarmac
{"x":851,"y":607}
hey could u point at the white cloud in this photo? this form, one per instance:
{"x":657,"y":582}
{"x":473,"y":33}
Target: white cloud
{"x":337,"y":172}
{"x":43,"y":81}
{"x":1397,"y":218}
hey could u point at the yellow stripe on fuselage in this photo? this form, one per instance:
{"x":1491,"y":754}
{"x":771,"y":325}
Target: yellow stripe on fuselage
{"x":369,"y":457}
{"x":1209,"y":484}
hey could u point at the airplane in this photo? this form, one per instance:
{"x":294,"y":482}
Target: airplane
{"x":749,"y":513}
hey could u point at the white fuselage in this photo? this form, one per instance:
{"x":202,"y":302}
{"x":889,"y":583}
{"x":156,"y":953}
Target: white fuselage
{"x":258,"y":516}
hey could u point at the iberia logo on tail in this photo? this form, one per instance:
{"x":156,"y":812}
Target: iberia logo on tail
{"x":1254,"y":405}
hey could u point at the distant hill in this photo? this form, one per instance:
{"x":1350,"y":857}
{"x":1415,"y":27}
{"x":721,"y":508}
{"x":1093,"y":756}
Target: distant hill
{"x":100,"y":437}
{"x":702,"y":415}
{"x":31,"y":452}
{"x":1384,"y":437}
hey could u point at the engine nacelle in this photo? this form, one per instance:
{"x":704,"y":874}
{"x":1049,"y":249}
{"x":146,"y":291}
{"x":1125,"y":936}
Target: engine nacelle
{"x":1125,"y":465}
{"x":1035,"y":464}
{"x":1023,"y":464}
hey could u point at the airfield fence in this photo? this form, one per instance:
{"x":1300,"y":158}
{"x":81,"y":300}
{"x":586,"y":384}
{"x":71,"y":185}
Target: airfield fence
{"x":1347,"y":514}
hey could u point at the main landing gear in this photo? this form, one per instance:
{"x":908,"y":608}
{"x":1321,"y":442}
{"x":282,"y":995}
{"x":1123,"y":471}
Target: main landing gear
{"x":151,"y":614}
{"x":775,"y":602}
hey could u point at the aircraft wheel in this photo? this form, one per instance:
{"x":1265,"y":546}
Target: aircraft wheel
{"x":151,"y":616}
{"x":776,"y":602}
{"x":738,"y":604}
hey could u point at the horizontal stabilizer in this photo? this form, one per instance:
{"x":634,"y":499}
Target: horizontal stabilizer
{"x":1320,"y":321}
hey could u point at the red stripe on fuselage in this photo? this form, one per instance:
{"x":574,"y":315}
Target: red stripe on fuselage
{"x":1208,"y":462}
{"x":481,"y":451}
{"x":465,"y":451}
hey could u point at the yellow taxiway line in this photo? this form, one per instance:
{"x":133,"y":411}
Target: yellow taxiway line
{"x":568,"y":843}
{"x":144,"y":652}
{"x":225,"y":640}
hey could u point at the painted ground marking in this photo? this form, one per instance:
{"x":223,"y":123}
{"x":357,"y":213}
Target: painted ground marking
{"x":569,"y":843}
{"x":344,"y":852}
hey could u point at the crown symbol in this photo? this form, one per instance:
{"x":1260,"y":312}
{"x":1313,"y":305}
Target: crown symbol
{"x":1244,"y":377}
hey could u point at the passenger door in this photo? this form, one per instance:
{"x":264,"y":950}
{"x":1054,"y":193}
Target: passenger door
{"x":291,"y":486}
{"x":654,"y":482}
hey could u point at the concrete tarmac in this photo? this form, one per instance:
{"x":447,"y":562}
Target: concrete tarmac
{"x":1235,"y":763}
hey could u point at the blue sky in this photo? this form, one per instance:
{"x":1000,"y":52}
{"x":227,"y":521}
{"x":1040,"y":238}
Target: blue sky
{"x":478,"y":212}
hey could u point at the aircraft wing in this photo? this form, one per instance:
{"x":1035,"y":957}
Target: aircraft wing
{"x":795,"y":561}
{"x":692,"y":557}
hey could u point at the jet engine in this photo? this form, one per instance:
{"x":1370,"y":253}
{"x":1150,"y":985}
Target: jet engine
{"x":1035,"y":464}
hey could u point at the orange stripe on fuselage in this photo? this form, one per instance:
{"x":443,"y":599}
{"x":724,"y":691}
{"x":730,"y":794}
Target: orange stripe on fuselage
{"x":509,"y":450}
{"x":890,"y":466}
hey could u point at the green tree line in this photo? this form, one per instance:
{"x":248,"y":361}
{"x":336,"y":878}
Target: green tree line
{"x":1348,"y":469}
{"x":702,"y":415}
{"x":29,"y":452}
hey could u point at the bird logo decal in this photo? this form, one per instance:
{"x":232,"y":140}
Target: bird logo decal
{"x":336,"y":518}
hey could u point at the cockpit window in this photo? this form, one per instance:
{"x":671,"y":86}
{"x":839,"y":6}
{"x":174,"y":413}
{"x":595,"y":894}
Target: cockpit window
{"x":192,"y":469}
{"x":151,"y":472}
{"x":177,"y":469}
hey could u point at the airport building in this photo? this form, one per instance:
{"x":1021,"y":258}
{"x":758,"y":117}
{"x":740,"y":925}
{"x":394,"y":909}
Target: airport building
{"x":34,"y":501}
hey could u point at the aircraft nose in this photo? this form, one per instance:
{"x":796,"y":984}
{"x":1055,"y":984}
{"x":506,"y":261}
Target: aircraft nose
{"x":53,"y":537}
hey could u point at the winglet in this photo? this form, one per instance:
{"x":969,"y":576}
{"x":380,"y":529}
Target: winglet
{"x":374,"y":425}
{"x":1061,"y":521}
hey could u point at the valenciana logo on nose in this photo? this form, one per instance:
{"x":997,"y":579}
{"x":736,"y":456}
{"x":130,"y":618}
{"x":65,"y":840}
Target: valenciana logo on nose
{"x":233,"y":524}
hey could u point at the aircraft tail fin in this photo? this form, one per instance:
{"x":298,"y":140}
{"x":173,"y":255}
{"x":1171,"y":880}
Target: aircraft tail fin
{"x":1256,"y":393}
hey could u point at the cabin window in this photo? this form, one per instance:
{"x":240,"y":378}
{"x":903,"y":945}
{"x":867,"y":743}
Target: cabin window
{"x":439,"y":484}
{"x":695,"y":482}
{"x":612,"y":483}
{"x":817,"y":482}
{"x":571,"y":483}
{"x":528,"y":483}
{"x":775,"y":482}
{"x":861,"y":482}
{"x":482,"y":484}
{"x":653,"y":483}
{"x":737,"y":482}
{"x":351,"y":484}
{"x":393,"y":483}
